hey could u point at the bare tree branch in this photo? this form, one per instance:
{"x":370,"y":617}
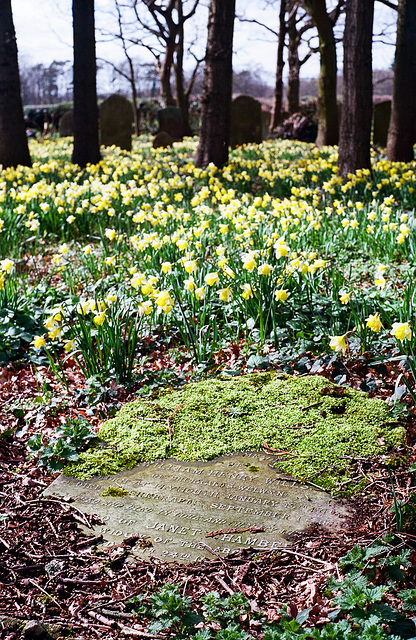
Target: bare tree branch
{"x":389,"y":4}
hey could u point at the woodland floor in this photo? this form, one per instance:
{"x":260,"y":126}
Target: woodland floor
{"x":51,"y":572}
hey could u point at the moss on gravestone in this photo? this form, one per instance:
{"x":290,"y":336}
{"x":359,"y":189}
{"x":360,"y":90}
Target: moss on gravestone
{"x":314,"y":426}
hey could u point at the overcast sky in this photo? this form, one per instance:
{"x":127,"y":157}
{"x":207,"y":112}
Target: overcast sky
{"x":44,"y":34}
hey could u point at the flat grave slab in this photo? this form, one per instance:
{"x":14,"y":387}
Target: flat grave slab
{"x":176,"y":507}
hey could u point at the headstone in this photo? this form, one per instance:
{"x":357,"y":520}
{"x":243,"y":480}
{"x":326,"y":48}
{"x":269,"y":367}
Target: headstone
{"x":178,"y":508}
{"x":171,"y":121}
{"x":381,"y":120}
{"x":162,"y":140}
{"x":246,"y":121}
{"x":266,"y":117}
{"x":66,"y":124}
{"x":116,"y":117}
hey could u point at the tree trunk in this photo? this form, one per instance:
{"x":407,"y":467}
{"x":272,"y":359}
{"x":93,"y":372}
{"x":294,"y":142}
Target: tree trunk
{"x":355,"y":134}
{"x":136,"y":118}
{"x":216,"y":95}
{"x":164,"y":70}
{"x":402,"y":129}
{"x":278,"y":88}
{"x":86,"y":141}
{"x":327,"y":83}
{"x":181,"y":96}
{"x":13,"y":142}
{"x":293,"y":83}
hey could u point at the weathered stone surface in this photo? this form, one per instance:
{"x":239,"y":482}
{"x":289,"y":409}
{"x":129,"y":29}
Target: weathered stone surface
{"x":173,"y":505}
{"x":162,"y":140}
{"x":246,"y":121}
{"x":66,"y":124}
{"x":381,"y":121}
{"x":116,"y":117}
{"x":171,"y":122}
{"x":35,"y":631}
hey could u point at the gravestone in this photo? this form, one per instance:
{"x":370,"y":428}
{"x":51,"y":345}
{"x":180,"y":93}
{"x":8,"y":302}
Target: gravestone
{"x":116,"y":117}
{"x":266,"y":117}
{"x":381,"y":121}
{"x":171,"y":121}
{"x":162,"y":140}
{"x":179,"y":508}
{"x":66,"y":124}
{"x":246,"y":121}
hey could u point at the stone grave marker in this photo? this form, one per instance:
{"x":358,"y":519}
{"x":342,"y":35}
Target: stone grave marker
{"x":162,"y":140}
{"x":66,"y":124}
{"x":246,"y":121}
{"x":381,"y":121}
{"x":176,"y":507}
{"x":171,"y":122}
{"x":116,"y":117}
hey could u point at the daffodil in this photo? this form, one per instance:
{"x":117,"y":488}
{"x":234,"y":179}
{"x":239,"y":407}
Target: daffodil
{"x":247,"y":291}
{"x":190,"y":266}
{"x":281,"y":295}
{"x":374,"y":323}
{"x":345,"y":297}
{"x":39,"y":342}
{"x":6,"y":265}
{"x":110,"y":234}
{"x":264,"y":269}
{"x":401,"y":331}
{"x":69,"y":345}
{"x":200,"y":293}
{"x":225,"y":294}
{"x":338,"y":343}
{"x":164,"y":299}
{"x":249,"y":264}
{"x":189,"y":284}
{"x":211,"y":278}
{"x":145,"y":308}
{"x":166,"y":267}
{"x":99,"y":319}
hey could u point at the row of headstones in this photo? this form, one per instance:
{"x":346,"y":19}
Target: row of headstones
{"x":116,"y":116}
{"x":248,"y":123}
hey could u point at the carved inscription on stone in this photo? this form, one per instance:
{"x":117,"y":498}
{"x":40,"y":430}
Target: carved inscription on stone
{"x":174,"y":505}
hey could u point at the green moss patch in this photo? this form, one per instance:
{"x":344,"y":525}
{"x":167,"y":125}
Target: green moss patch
{"x":316,"y":423}
{"x":114,"y":492}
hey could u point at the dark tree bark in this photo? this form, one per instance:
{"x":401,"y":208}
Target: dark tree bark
{"x":276,"y":117}
{"x":86,"y":141}
{"x":13,"y":142}
{"x":297,"y":26}
{"x":327,"y":83}
{"x":402,"y":129}
{"x":216,"y":95}
{"x":182,"y":96}
{"x":355,"y":132}
{"x":293,"y":82}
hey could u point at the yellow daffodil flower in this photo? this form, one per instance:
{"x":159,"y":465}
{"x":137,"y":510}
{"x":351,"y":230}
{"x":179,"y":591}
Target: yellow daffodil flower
{"x":338,"y":343}
{"x":211,"y":278}
{"x":345,"y":297}
{"x":200,"y":293}
{"x":401,"y":331}
{"x":247,"y":292}
{"x":225,"y":294}
{"x":264,"y":269}
{"x":39,"y":342}
{"x":281,"y":295}
{"x":374,"y":323}
{"x":99,"y":319}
